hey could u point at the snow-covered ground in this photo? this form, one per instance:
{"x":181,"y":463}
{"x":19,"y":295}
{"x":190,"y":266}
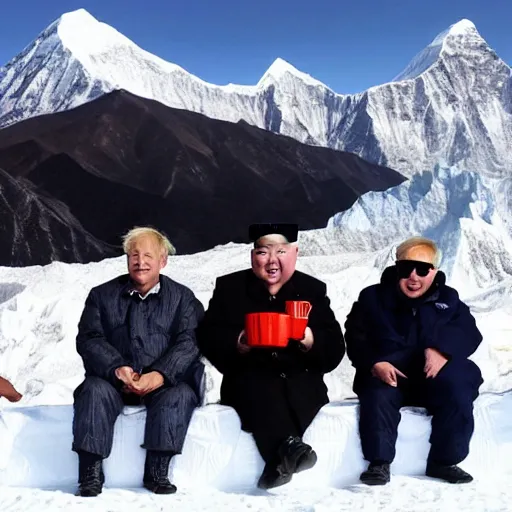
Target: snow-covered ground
{"x":403,"y":494}
{"x":40,"y":308}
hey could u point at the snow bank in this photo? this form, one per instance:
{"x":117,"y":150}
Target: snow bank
{"x":35,"y":447}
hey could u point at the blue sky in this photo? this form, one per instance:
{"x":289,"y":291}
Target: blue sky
{"x":349,"y":45}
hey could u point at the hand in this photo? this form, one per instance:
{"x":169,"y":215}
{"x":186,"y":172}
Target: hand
{"x":7,"y":390}
{"x":307,"y":342}
{"x":147,"y":382}
{"x":241,"y":344}
{"x":434,"y":361}
{"x":387,"y":373}
{"x":129,"y":388}
{"x":126,"y":375}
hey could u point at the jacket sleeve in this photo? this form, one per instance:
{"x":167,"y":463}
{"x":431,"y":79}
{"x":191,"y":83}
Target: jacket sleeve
{"x":100,"y":358}
{"x":356,"y":337}
{"x":177,"y":360}
{"x":361,"y":343}
{"x":218,"y":332}
{"x":329,"y":346}
{"x":459,"y":337}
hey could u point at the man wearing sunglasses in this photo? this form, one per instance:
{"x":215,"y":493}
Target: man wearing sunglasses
{"x":409,"y":338}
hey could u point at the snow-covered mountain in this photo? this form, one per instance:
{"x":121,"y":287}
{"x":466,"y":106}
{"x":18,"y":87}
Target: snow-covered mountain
{"x":453,"y":102}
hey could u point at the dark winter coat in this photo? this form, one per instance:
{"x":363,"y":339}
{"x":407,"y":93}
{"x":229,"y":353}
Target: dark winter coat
{"x":155,"y":334}
{"x":384,"y":325}
{"x":262,"y":370}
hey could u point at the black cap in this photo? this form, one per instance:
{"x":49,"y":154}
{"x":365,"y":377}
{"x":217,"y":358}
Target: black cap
{"x":289,"y":231}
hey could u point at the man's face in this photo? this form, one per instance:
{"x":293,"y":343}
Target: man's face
{"x":274,"y":260}
{"x":145,"y":260}
{"x":414,"y":285}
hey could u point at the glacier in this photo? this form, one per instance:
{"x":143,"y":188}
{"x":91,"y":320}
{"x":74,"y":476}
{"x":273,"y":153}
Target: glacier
{"x":453,"y":103}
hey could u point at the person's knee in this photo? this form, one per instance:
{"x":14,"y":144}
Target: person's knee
{"x":96,"y":387}
{"x":459,"y":381}
{"x":180,"y":394}
{"x":378,"y":395}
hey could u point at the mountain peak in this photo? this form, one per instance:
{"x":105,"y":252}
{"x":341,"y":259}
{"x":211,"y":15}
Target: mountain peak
{"x":79,"y":16}
{"x":280,"y":67}
{"x":83,"y":34}
{"x":428,"y":56}
{"x":464,"y":27}
{"x":461,"y":27}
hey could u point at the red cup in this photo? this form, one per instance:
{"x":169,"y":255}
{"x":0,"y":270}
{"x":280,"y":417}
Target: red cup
{"x":267,"y":329}
{"x":299,"y":311}
{"x":298,"y":308}
{"x":298,"y":328}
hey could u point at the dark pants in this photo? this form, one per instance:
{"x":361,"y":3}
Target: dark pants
{"x":448,"y":398}
{"x":98,"y":404}
{"x":279,"y":422}
{"x":273,"y":408}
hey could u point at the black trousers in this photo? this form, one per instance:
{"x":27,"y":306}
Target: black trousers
{"x":97,"y":404}
{"x":448,"y":398}
{"x":274,"y":407}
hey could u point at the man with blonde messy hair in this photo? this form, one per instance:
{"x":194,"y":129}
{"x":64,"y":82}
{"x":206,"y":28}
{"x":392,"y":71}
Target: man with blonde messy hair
{"x":409,"y":338}
{"x":163,"y":242}
{"x":137,"y":340}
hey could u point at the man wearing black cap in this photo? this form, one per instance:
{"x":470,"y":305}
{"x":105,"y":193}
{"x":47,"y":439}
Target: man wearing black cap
{"x":409,"y":338}
{"x":276,"y":392}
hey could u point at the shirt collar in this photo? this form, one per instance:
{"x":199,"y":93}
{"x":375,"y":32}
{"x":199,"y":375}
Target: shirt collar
{"x":132,"y":291}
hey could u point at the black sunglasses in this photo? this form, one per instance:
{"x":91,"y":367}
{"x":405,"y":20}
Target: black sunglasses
{"x":405,"y":268}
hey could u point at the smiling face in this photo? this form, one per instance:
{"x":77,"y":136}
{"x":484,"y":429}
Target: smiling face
{"x":414,"y":285}
{"x":273,"y":261}
{"x":145,"y":260}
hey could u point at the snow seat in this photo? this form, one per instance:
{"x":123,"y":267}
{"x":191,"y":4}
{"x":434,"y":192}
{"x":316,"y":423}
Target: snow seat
{"x":35,"y":447}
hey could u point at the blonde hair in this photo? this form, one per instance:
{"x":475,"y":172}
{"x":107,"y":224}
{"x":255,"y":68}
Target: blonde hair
{"x":165,"y":245}
{"x":419,"y":241}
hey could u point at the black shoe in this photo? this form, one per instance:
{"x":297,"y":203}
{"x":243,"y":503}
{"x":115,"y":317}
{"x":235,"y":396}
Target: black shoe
{"x":296,"y":456}
{"x":452,"y":474}
{"x":273,"y":476}
{"x":90,"y":474}
{"x":156,"y":470}
{"x":376,"y":474}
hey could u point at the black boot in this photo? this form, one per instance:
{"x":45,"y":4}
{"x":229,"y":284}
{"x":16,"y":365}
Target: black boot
{"x":296,"y":456}
{"x":377,"y":474}
{"x":90,"y":474}
{"x":273,"y":476}
{"x":452,"y":474}
{"x":156,"y":471}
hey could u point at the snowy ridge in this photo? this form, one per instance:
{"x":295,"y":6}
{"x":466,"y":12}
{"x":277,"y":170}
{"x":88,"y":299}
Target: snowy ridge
{"x":453,"y":102}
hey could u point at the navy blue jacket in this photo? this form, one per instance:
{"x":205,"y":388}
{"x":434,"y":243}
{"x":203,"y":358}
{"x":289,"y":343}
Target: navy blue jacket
{"x":154,"y":334}
{"x":378,"y":326}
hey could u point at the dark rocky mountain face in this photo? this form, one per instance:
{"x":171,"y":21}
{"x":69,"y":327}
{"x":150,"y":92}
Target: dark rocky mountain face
{"x":122,"y":160}
{"x":36,"y":229}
